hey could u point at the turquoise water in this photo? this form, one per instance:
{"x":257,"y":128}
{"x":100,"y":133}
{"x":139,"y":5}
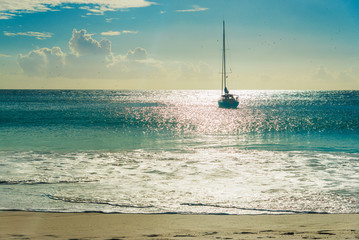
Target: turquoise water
{"x":177,"y":152}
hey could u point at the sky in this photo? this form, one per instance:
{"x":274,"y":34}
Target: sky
{"x":176,"y":44}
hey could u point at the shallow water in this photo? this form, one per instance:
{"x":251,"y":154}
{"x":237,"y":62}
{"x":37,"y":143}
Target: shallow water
{"x":177,"y":152}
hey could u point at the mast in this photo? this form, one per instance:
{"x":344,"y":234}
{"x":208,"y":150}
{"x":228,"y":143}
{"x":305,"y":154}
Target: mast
{"x":224,"y":74}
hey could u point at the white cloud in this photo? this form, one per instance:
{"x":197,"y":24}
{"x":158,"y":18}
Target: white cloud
{"x":89,"y":58}
{"x":67,"y":7}
{"x":94,"y":62}
{"x":194,"y":8}
{"x":10,"y":8}
{"x":117,"y":33}
{"x":129,"y":32}
{"x":5,"y":15}
{"x":97,"y":10}
{"x":37,"y":35}
{"x":137,"y":54}
{"x":111,"y":33}
{"x":42,"y":61}
{"x":82,"y":44}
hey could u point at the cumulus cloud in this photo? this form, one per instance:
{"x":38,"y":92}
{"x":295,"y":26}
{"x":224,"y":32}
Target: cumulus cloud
{"x":137,"y":54}
{"x":88,"y":58}
{"x":11,"y":8}
{"x":194,"y":8}
{"x":93,"y":60}
{"x":42,"y":61}
{"x":82,"y":44}
{"x":37,"y":35}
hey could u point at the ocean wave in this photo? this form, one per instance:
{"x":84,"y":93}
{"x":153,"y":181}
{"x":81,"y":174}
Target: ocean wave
{"x":36,"y":182}
{"x":260,"y":210}
{"x":198,"y":179}
{"x":90,"y":201}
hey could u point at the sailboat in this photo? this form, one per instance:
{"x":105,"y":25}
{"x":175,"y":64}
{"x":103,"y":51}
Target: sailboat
{"x":227,"y":100}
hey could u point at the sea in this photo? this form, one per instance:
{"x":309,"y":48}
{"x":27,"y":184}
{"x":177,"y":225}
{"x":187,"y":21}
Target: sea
{"x":176,"y":152}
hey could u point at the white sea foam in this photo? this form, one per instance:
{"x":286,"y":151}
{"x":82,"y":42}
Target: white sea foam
{"x":210,"y":180}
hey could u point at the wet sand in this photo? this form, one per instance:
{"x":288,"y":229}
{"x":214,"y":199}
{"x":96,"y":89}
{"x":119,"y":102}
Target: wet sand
{"x":36,"y":225}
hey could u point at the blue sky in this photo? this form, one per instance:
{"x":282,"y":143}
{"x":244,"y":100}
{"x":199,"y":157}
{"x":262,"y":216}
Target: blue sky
{"x":175,"y":44}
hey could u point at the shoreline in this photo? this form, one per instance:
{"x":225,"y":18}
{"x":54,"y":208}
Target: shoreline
{"x":17,"y":224}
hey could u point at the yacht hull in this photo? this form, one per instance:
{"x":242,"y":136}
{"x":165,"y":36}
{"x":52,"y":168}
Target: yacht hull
{"x":227,"y":104}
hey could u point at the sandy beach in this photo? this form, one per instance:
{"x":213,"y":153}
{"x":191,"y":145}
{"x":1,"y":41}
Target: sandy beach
{"x":38,"y":225}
